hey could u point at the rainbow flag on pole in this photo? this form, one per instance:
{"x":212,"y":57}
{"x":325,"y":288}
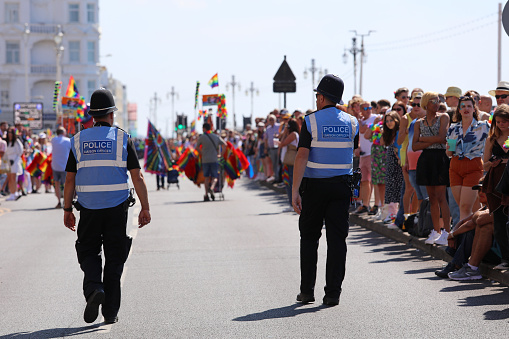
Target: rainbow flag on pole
{"x":72,"y":90}
{"x":196,"y":94}
{"x":214,"y":81}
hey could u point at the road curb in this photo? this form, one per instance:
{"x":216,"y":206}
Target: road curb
{"x":435,"y":251}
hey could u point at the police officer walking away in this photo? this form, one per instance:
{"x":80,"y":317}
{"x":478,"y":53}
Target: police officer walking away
{"x":97,"y":170}
{"x":321,"y":188}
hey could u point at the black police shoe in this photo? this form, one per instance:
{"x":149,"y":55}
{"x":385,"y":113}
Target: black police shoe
{"x":444,"y":272}
{"x":305,"y":298}
{"x":92,"y":308}
{"x":330,"y":301}
{"x":110,"y":320}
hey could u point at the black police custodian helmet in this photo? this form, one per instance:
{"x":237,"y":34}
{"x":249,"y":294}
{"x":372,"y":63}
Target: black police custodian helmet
{"x":331,"y":86}
{"x":101,"y":103}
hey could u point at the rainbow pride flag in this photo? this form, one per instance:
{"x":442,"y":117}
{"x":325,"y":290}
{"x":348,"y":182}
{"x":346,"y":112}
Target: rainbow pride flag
{"x":72,"y":90}
{"x":214,"y":81}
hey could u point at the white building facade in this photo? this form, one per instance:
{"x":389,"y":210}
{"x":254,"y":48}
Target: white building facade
{"x":42,"y":41}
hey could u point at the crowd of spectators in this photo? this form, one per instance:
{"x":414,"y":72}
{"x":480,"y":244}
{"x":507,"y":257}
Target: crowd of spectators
{"x":422,"y":146}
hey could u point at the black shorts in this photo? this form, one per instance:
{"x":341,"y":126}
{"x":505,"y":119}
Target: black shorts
{"x":433,"y":168}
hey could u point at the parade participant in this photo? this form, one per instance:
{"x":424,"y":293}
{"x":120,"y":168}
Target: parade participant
{"x":61,"y":146}
{"x":97,"y":169}
{"x":321,"y":188}
{"x":402,"y":95}
{"x":485,"y":104}
{"x":452,"y":96}
{"x":433,"y":164}
{"x":13,"y":153}
{"x":209,"y":152}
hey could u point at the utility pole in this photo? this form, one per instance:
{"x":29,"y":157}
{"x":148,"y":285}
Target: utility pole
{"x":173,"y":94}
{"x":153,"y":102}
{"x":499,"y":72}
{"x":233,"y":84}
{"x":354,"y":51}
{"x":252,"y":89}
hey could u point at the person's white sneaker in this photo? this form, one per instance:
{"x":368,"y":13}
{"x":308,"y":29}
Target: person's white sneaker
{"x":442,"y":239}
{"x":270,"y":179}
{"x":434,"y":235}
{"x":392,"y":226}
{"x":11,"y":197}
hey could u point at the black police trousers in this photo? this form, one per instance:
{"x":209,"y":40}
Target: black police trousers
{"x":97,"y":229}
{"x":326,"y":200}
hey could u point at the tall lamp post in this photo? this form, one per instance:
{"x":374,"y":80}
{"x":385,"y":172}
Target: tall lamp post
{"x":60,"y":50}
{"x":354,"y":51}
{"x":173,"y":94}
{"x":313,"y":69}
{"x":233,"y":84}
{"x":26,"y":34}
{"x":253,"y":90}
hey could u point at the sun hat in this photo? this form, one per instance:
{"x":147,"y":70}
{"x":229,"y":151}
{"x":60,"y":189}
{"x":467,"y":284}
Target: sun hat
{"x":453,"y":92}
{"x":502,"y":86}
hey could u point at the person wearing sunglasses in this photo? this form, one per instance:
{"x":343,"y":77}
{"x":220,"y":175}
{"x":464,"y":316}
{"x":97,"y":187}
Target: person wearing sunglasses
{"x":365,"y":156}
{"x":501,"y":93}
{"x":402,"y":95}
{"x":433,"y":164}
{"x":409,"y":205}
{"x":466,"y":139}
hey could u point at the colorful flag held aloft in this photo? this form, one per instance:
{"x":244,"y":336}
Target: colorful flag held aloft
{"x":214,"y":81}
{"x":221,"y":107}
{"x":56,"y":93}
{"x":202,"y":113}
{"x":193,"y":127}
{"x":196,"y":94}
{"x":157,"y":156}
{"x":72,"y":90}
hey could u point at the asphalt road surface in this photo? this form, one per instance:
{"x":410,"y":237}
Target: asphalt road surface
{"x":230,"y":269}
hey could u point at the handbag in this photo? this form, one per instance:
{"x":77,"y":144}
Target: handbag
{"x":5,"y":167}
{"x":291,"y":153}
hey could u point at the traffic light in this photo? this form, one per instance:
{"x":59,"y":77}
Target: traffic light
{"x":180,"y":122}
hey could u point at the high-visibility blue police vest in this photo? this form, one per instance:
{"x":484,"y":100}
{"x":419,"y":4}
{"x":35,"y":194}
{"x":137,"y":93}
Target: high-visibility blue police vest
{"x":101,"y":159}
{"x":331,"y":153}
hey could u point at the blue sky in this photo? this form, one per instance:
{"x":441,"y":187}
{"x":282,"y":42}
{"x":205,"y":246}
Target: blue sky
{"x":157,"y":44}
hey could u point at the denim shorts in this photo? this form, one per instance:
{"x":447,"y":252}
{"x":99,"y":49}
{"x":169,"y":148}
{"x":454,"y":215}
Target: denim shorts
{"x":210,"y":169}
{"x":59,"y":177}
{"x":419,"y":190}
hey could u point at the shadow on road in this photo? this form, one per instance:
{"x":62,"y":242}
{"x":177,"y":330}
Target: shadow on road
{"x":57,"y":332}
{"x":280,"y":312}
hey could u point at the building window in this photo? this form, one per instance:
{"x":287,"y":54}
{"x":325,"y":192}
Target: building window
{"x":11,"y":13}
{"x":91,"y":52}
{"x":4,"y":99}
{"x":12,"y":52}
{"x":74,"y":51}
{"x":91,"y":13}
{"x":74,"y":13}
{"x":90,"y":87}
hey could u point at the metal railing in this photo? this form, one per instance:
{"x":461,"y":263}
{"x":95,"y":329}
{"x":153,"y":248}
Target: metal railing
{"x":43,"y":28}
{"x":43,"y":69}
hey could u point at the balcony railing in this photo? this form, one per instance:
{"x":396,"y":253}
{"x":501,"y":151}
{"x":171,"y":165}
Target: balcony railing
{"x":43,"y":28}
{"x":43,"y":69}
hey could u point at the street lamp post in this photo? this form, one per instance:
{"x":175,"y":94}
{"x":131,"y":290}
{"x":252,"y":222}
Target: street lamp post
{"x":26,"y":34}
{"x":233,"y":84}
{"x":60,"y":49}
{"x":354,"y":51}
{"x":312,"y":70}
{"x":173,"y":94}
{"x":252,"y":89}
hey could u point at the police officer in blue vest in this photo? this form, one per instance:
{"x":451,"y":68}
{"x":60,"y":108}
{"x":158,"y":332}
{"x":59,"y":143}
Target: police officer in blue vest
{"x":97,"y":167}
{"x":321,"y":188}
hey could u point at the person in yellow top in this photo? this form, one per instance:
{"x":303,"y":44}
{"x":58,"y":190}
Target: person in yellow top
{"x":410,"y":205}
